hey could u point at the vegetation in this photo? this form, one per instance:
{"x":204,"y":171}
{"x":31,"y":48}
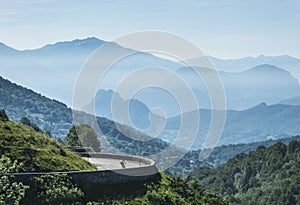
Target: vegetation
{"x":3,"y":116}
{"x":137,"y":144}
{"x":26,"y":121}
{"x":173,"y":191}
{"x":83,"y":135}
{"x":57,"y":118}
{"x":10,"y":192}
{"x":265,"y":176}
{"x":46,"y":113}
{"x":219,"y":156}
{"x":56,"y":189}
{"x":37,"y":152}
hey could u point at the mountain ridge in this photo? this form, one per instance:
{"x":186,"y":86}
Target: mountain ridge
{"x":261,"y":122}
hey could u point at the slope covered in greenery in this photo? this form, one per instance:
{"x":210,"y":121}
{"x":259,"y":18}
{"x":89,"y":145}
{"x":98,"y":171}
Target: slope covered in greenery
{"x":174,"y":191}
{"x":37,"y":152}
{"x":57,"y":118}
{"x":220,"y":155}
{"x":265,"y":176}
{"x":48,"y":114}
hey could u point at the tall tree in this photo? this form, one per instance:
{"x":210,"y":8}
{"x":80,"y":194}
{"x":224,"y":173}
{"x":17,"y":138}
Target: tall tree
{"x":83,"y":135}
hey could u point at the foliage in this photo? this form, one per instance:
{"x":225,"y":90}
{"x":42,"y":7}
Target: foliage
{"x":83,"y":135}
{"x":128,"y":140}
{"x":36,"y":151}
{"x":265,"y":176}
{"x":26,"y":121}
{"x":3,"y":116}
{"x":220,"y":155}
{"x":175,"y":190}
{"x":57,"y":190}
{"x":10,"y":192}
{"x":57,"y":118}
{"x":46,"y":113}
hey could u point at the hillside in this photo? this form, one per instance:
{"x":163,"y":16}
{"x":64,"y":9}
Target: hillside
{"x":220,"y":155}
{"x":48,"y":114}
{"x":258,"y":123}
{"x":38,"y":152}
{"x":265,"y":176}
{"x":57,"y":118}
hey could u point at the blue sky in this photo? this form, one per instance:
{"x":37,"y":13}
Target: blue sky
{"x":226,"y":29}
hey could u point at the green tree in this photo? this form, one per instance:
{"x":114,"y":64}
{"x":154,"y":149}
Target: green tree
{"x":3,"y":116}
{"x":57,"y":190}
{"x":10,"y":192}
{"x":83,"y":135}
{"x":25,"y":121}
{"x":176,"y":191}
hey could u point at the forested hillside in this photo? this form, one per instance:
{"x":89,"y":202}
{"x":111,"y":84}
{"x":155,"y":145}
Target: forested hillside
{"x":57,"y":118}
{"x":265,"y":176}
{"x":220,"y":155}
{"x":48,"y":114}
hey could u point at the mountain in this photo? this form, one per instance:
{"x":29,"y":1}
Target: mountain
{"x":258,"y":123}
{"x":289,"y":63}
{"x":62,"y":62}
{"x":263,"y":83}
{"x":57,"y":118}
{"x":220,"y":155}
{"x":38,"y":152}
{"x":291,"y":101}
{"x":138,"y":113}
{"x":49,"y":114}
{"x":6,"y":50}
{"x":85,"y":46}
{"x":265,"y":176}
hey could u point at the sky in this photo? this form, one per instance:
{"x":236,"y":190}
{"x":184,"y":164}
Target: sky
{"x":221,"y":28}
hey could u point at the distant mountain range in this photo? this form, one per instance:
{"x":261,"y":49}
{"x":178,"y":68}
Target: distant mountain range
{"x":289,"y":63}
{"x":56,"y":117}
{"x":262,"y":122}
{"x":259,"y":123}
{"x":53,"y":70}
{"x":291,"y":101}
{"x":245,"y":89}
{"x":61,"y":63}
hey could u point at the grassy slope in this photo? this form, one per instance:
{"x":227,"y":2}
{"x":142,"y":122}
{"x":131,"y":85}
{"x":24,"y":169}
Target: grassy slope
{"x":36,"y":151}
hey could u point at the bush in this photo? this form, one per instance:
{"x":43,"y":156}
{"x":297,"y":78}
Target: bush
{"x":10,"y":192}
{"x":57,"y":189}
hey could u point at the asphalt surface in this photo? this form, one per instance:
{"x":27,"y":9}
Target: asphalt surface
{"x":111,"y":164}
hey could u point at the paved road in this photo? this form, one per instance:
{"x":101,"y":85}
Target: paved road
{"x":111,"y":164}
